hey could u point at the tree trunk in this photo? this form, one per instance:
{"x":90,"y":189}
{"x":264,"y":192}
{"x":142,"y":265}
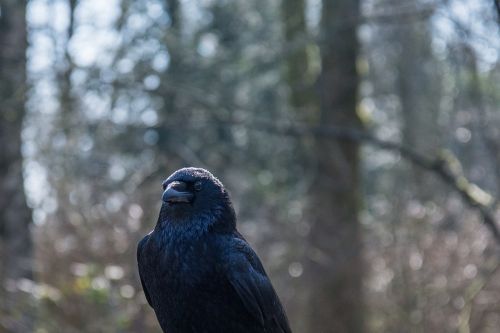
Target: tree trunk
{"x":304,"y":105}
{"x":335,"y":265}
{"x":171,"y":98}
{"x":297,"y":71}
{"x":15,"y":216}
{"x":418,"y":86}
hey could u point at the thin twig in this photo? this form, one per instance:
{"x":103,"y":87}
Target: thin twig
{"x":445,"y":166}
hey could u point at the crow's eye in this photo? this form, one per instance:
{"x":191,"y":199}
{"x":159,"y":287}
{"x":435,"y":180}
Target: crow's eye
{"x":164,"y":185}
{"x":197,"y":186}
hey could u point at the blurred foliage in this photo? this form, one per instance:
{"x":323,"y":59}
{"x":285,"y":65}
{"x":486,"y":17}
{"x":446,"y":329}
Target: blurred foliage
{"x":124,"y":92}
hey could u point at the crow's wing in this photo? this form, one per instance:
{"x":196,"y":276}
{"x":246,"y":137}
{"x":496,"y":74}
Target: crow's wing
{"x":140,"y":247}
{"x":248,"y":277}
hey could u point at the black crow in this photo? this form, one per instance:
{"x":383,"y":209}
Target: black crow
{"x":198,"y":273}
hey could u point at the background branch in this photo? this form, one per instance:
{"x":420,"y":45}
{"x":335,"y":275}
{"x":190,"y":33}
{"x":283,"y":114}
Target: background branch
{"x":445,"y":166}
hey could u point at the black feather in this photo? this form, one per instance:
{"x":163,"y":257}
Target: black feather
{"x":139,"y":250}
{"x":198,"y":273}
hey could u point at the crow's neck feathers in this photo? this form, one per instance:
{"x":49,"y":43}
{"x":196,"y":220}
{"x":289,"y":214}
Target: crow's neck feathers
{"x":221,"y":218}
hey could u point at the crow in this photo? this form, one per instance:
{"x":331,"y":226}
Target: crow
{"x":198,"y":273}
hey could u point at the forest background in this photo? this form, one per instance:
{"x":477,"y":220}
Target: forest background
{"x":359,"y":139}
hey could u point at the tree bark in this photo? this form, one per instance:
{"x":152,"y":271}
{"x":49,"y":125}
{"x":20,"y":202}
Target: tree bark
{"x":334,"y":256}
{"x":174,"y":73}
{"x":297,"y":71}
{"x":418,"y":86}
{"x":304,"y":104}
{"x":15,"y":216}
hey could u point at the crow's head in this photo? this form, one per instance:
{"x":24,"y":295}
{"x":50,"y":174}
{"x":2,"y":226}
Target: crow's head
{"x":195,"y":196}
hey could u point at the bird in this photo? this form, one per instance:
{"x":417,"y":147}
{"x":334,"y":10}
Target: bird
{"x":197,"y":271}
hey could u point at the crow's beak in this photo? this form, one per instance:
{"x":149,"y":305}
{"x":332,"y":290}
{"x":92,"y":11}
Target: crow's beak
{"x":177,"y":192}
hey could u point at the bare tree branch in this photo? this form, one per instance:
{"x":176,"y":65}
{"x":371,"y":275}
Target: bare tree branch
{"x":445,"y":166}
